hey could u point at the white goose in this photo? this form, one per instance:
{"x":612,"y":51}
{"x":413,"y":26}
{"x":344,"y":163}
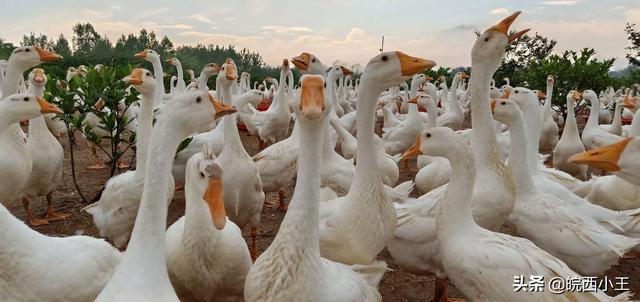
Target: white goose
{"x":243,"y":196}
{"x":142,"y":273}
{"x":15,"y":161}
{"x":355,"y":228}
{"x":154,"y":58}
{"x":570,"y":142}
{"x":32,"y":258}
{"x":550,"y":135}
{"x":180,"y":85}
{"x":481,"y":263}
{"x":584,"y":245}
{"x":273,"y":124}
{"x":399,"y":138}
{"x":592,"y":135}
{"x":292,"y":268}
{"x":46,"y":155}
{"x":114,"y":214}
{"x":453,"y":116}
{"x":207,"y":258}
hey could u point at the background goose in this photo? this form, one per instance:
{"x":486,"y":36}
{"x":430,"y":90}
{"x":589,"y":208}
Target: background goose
{"x":570,"y":142}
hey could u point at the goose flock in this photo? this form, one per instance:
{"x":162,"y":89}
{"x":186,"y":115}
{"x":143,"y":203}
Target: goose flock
{"x":487,"y":207}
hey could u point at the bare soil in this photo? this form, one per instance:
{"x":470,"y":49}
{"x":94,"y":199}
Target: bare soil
{"x":397,"y":285}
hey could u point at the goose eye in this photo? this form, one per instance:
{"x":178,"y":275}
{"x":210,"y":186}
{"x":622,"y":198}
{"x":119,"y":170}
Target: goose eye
{"x":314,"y":60}
{"x":385,"y":58}
{"x":201,"y":174}
{"x":428,"y":134}
{"x":198,"y":100}
{"x":486,"y":39}
{"x":27,"y":50}
{"x":325,"y":85}
{"x":503,"y":103}
{"x":148,"y":74}
{"x":26,"y":99}
{"x":516,"y":91}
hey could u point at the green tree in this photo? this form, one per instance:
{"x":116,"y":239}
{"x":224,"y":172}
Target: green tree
{"x":634,"y":49}
{"x":61,"y":47}
{"x":520,"y":54}
{"x":40,"y":40}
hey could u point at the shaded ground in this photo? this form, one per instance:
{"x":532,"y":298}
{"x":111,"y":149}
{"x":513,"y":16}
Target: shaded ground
{"x":397,"y":285}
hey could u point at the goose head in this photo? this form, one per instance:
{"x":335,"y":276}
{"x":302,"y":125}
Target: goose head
{"x":418,"y":79}
{"x":574,"y":96}
{"x":619,"y":158}
{"x":204,"y":178}
{"x":174,"y":61}
{"x":422,"y":101}
{"x":337,"y":72}
{"x":228,"y":72}
{"x":20,"y":107}
{"x":142,"y":80}
{"x":194,"y":111}
{"x":82,"y":71}
{"x":491,"y":44}
{"x":37,"y":78}
{"x":312,"y":105}
{"x":522,"y":96}
{"x":308,"y":64}
{"x":630,"y":102}
{"x":505,"y":111}
{"x":438,"y":141}
{"x":210,"y":69}
{"x":149,"y":55}
{"x":392,"y":68}
{"x":30,"y":56}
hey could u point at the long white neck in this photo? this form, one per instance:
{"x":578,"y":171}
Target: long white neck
{"x":634,"y":129}
{"x":531,"y":115}
{"x":455,"y":206}
{"x":549,"y":98}
{"x":483,"y":141}
{"x":143,"y":132}
{"x":145,"y":255}
{"x":617,"y":117}
{"x":432,"y":110}
{"x":181,"y":83}
{"x":202,"y":80}
{"x":593,"y":112}
{"x":413,"y":92}
{"x":570,"y":124}
{"x":12,"y":79}
{"x":518,"y":157}
{"x":302,"y":217}
{"x":198,"y":225}
{"x":330,"y":90}
{"x":232,"y":142}
{"x":159,"y":74}
{"x":37,"y":125}
{"x":365,"y":112}
{"x":279,"y":100}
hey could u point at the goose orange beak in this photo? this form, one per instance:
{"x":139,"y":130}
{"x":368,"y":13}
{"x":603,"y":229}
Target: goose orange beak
{"x":503,"y":27}
{"x":411,"y":65}
{"x":135,"y":78}
{"x":170,"y":61}
{"x":213,"y":198}
{"x":221,"y":109}
{"x":46,"y":56}
{"x":541,"y":95}
{"x":493,"y":106}
{"x":413,"y":150}
{"x":505,"y":94}
{"x":464,"y":75}
{"x":605,"y":158}
{"x":46,"y":107}
{"x":345,"y":70}
{"x":142,"y":54}
{"x":230,"y":71}
{"x":302,"y":61}
{"x":312,"y":96}
{"x":413,"y":101}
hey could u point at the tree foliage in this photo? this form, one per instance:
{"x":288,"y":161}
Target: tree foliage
{"x":520,"y":54}
{"x":634,"y":50}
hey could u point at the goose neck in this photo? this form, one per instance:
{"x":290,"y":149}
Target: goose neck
{"x":455,"y":206}
{"x":365,"y":112}
{"x":518,"y":157}
{"x":143,"y":132}
{"x":483,"y":141}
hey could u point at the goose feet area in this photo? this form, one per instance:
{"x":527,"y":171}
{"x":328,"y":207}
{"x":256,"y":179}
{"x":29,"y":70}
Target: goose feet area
{"x":281,"y":206}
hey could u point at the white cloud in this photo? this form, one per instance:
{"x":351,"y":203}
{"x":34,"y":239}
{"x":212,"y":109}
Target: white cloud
{"x":499,"y":11}
{"x":150,"y":13}
{"x":619,"y":7}
{"x":285,"y":29}
{"x":202,"y":18}
{"x":561,"y":2}
{"x":177,"y":26}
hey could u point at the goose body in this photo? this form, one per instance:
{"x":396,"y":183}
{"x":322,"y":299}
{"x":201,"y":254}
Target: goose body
{"x":570,"y":142}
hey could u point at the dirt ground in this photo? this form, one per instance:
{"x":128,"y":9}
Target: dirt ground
{"x":396,"y":286}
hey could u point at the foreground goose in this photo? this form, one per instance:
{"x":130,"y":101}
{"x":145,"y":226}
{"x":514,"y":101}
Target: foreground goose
{"x":47,"y":156}
{"x":585,"y":246}
{"x":481,"y":263}
{"x":570,"y":142}
{"x":243,"y":196}
{"x":115,"y":213}
{"x":142,"y":273}
{"x":81,"y":265}
{"x":355,"y":228}
{"x":207,"y":258}
{"x":291,"y":268}
{"x":415,"y":243}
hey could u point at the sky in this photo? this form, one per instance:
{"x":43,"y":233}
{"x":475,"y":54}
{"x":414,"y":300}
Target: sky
{"x":344,"y":30}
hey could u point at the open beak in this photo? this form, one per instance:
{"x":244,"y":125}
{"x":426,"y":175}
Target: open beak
{"x":503,"y":27}
{"x":221,"y":109}
{"x":38,"y":75}
{"x":312,"y":97}
{"x":413,"y":151}
{"x":493,"y":106}
{"x":605,"y":158}
{"x":302,"y":61}
{"x":46,"y":107}
{"x":46,"y":56}
{"x":412,"y":65}
{"x":345,"y":70}
{"x":541,"y":95}
{"x":135,"y":78}
{"x":213,"y":198}
{"x":413,"y":101}
{"x":142,"y":54}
